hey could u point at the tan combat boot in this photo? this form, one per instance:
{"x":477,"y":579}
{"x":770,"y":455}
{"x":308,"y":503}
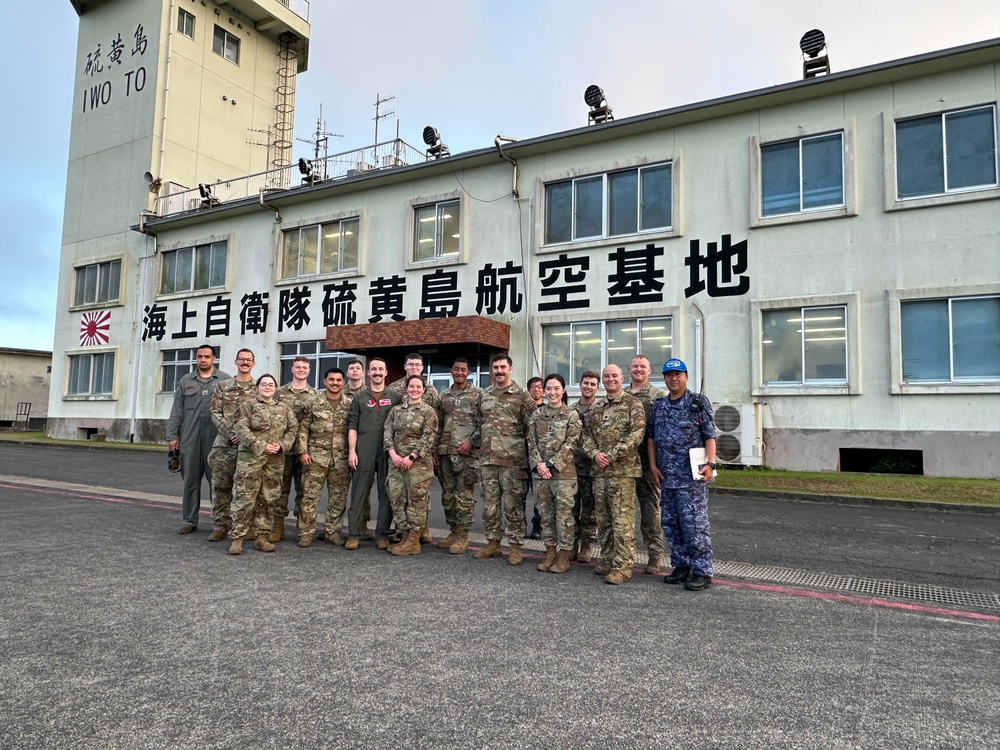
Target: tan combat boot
{"x":219,"y":532}
{"x":492,"y":549}
{"x":334,"y":537}
{"x":515,"y":557}
{"x":617,"y":577}
{"x":305,"y":541}
{"x":448,"y":540}
{"x":425,"y":536}
{"x":262,"y":544}
{"x":550,"y":557}
{"x":575,"y":551}
{"x":461,"y":543}
{"x":653,"y":566}
{"x":406,"y":535}
{"x":236,"y":546}
{"x":586,"y":553}
{"x":602,"y":569}
{"x":561,"y":565}
{"x":409,"y":546}
{"x":277,"y":530}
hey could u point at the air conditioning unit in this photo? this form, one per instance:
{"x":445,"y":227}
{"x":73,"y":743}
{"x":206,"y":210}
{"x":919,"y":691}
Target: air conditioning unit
{"x":740,"y":438}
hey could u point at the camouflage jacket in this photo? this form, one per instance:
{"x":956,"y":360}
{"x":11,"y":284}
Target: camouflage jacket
{"x":323,"y":431}
{"x":616,"y":428}
{"x":584,"y":465}
{"x":259,"y":423}
{"x":226,"y":400}
{"x":647,"y":395}
{"x":554,"y":435}
{"x":297,"y":401}
{"x":430,"y":396}
{"x":411,"y":429}
{"x":348,"y":391}
{"x":457,"y":422}
{"x":503,"y":422}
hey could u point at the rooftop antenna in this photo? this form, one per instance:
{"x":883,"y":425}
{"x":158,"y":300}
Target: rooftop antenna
{"x":269,"y":144}
{"x":379,"y":101}
{"x":320,"y":139}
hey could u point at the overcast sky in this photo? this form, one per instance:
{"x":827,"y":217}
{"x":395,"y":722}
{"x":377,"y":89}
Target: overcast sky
{"x":471,"y":69}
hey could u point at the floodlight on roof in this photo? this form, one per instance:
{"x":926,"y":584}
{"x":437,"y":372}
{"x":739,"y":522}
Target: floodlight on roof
{"x":593,"y":96}
{"x":207,"y":199}
{"x":812,"y":42}
{"x":600,"y":110}
{"x":436,"y":149}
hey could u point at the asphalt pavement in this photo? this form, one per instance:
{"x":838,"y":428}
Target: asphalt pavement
{"x":115,"y":632}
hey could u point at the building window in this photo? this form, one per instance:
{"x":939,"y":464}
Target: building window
{"x":176,"y":364}
{"x":227,"y":45}
{"x":320,"y":249}
{"x":320,"y":360}
{"x":437,"y":231}
{"x":192,"y":269}
{"x":185,"y":23}
{"x":572,"y":348}
{"x":92,"y":374}
{"x":952,"y":340}
{"x":802,"y":175}
{"x":609,"y":205}
{"x":805,"y":346}
{"x":98,"y":283}
{"x":950,"y":152}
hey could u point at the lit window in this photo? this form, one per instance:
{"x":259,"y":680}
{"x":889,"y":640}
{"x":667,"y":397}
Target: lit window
{"x":98,"y":283}
{"x":92,"y":374}
{"x":945,"y":153}
{"x":226,"y":45}
{"x":193,"y":269}
{"x":320,"y":249}
{"x":437,"y":230}
{"x":176,"y":364}
{"x":320,"y":360}
{"x":185,"y":23}
{"x":951,"y":340}
{"x":805,"y":346}
{"x":572,"y":348}
{"x":802,"y":175}
{"x":609,"y":205}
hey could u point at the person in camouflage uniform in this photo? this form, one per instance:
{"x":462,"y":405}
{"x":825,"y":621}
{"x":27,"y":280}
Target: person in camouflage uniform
{"x":414,"y":365}
{"x":266,"y":429}
{"x":583,"y":508}
{"x":296,"y":395}
{"x":226,"y":400}
{"x":677,"y":423}
{"x":616,"y":426}
{"x":504,"y":411}
{"x":457,"y":455}
{"x":355,"y":377}
{"x":553,"y":437}
{"x":647,"y":492}
{"x":410,"y":439}
{"x":322,"y":448}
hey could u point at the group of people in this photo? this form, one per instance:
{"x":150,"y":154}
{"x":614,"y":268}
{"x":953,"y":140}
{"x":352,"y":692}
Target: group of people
{"x":593,"y":465}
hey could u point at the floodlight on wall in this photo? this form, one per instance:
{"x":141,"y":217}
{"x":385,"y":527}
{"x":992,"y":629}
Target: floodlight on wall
{"x":813,"y":63}
{"x":436,"y":149}
{"x":207,"y":199}
{"x":152,"y":182}
{"x":600,"y":110}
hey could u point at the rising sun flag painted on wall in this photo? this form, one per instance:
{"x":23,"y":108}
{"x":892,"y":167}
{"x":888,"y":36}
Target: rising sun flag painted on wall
{"x":94,"y":327}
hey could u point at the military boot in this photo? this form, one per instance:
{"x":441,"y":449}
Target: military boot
{"x":653,"y":565}
{"x":575,"y":552}
{"x":406,"y":535}
{"x":561,"y":565}
{"x":219,"y":532}
{"x":236,"y":546}
{"x":333,"y":537}
{"x":602,"y":569}
{"x":425,"y":536}
{"x":492,"y":549}
{"x":409,"y":546}
{"x":617,"y":577}
{"x":263,"y":544}
{"x":461,"y":543}
{"x":305,"y":540}
{"x":448,"y":540}
{"x":550,"y":557}
{"x":586,"y":553}
{"x":277,"y":530}
{"x":515,"y":557}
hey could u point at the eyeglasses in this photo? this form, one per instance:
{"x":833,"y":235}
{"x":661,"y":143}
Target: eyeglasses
{"x":267,"y":385}
{"x":244,"y":360}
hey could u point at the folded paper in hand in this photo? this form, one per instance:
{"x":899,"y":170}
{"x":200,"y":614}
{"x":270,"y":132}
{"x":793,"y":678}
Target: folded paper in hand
{"x":698,"y":459}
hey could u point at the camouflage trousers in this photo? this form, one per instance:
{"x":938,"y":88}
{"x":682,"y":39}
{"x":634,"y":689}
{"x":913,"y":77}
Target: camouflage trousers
{"x":256,"y":486}
{"x":583,"y":511}
{"x":223,"y":463}
{"x":614,"y":505}
{"x":647,"y":497}
{"x":685,"y":525}
{"x":554,"y":500}
{"x":292,"y":470}
{"x":504,"y":489}
{"x":337,"y":478}
{"x":410,"y":494}
{"x":458,"y":475}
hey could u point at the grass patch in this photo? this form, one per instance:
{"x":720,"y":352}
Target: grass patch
{"x":896,"y":486}
{"x":22,"y":436}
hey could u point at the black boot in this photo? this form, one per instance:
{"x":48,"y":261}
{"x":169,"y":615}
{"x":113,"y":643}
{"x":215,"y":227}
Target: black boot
{"x":536,"y":529}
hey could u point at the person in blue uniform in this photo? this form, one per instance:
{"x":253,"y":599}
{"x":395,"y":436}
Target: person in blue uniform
{"x":677,"y":423}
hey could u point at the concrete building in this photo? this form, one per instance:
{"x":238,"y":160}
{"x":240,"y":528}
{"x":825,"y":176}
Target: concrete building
{"x":825,"y":254}
{"x":24,"y":387}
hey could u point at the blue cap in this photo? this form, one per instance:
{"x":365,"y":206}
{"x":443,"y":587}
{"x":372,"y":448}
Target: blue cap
{"x":674,"y":365}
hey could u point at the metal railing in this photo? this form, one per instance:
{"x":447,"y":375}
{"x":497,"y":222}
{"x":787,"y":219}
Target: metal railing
{"x":380,"y":157}
{"x":298,"y":7}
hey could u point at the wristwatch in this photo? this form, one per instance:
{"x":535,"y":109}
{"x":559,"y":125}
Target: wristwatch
{"x":712,"y":464}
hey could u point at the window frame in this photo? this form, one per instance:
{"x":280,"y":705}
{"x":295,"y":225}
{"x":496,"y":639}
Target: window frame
{"x":896,"y":297}
{"x":438,"y":202}
{"x":98,"y":264}
{"x":319,"y":224}
{"x":317,"y":354}
{"x":224,"y":39}
{"x":192,"y":361}
{"x":76,"y":356}
{"x":605,"y":175}
{"x":194,"y":247}
{"x":892,"y":201}
{"x":853,"y":384}
{"x":185,"y":21}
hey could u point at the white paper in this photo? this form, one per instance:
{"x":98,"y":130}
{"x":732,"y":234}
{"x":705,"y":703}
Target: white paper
{"x":698,"y":459}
